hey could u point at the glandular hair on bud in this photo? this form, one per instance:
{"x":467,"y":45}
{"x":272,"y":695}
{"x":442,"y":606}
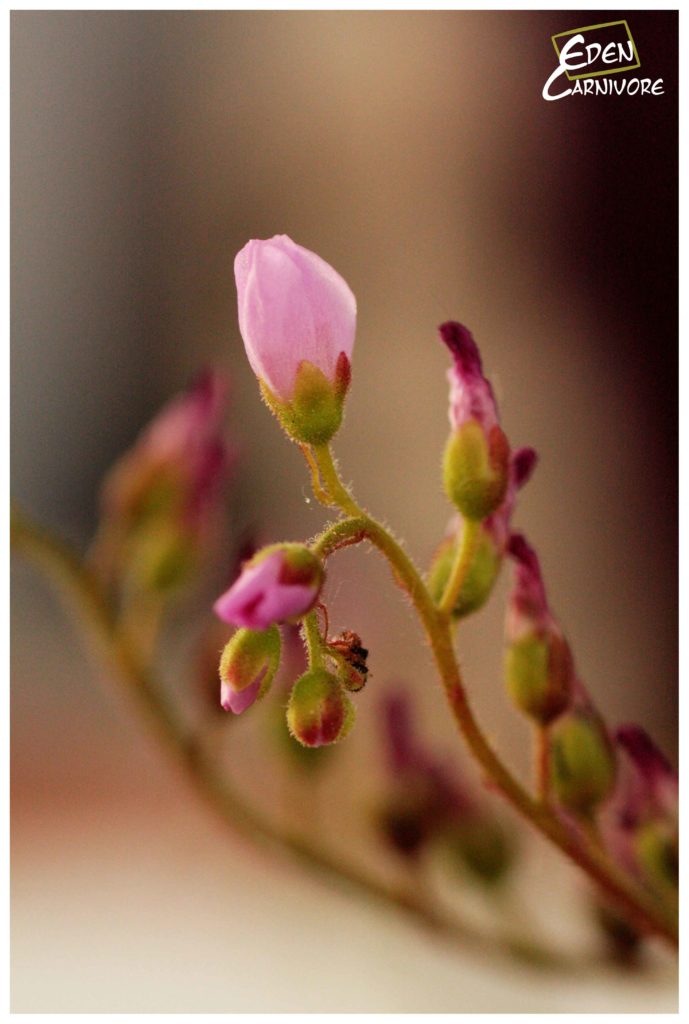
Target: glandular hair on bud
{"x":475,"y":469}
{"x":319,"y":712}
{"x":582,"y":761}
{"x":480,"y":576}
{"x":538,"y":675}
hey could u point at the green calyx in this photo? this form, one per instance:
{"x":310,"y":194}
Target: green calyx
{"x":538,"y":675}
{"x":475,"y":469}
{"x":480,"y":577}
{"x":319,"y":712}
{"x":314,"y":413}
{"x":657,"y":853}
{"x":251,"y":654}
{"x":582,"y":761}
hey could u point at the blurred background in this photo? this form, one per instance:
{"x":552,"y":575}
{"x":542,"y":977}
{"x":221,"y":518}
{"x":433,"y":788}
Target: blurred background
{"x":414,"y":152}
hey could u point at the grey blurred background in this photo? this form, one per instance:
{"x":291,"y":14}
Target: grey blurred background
{"x":414,"y":152}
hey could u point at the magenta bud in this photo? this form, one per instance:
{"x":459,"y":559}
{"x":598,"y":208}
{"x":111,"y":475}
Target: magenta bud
{"x":279,"y":584}
{"x":319,"y":712}
{"x":477,"y":455}
{"x":247,"y":667}
{"x":297,"y":317}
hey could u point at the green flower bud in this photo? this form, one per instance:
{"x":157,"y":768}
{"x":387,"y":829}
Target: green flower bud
{"x":482,"y":847}
{"x":161,"y":556}
{"x":479,"y":580}
{"x":538,"y":674}
{"x":582,"y":761}
{"x":313,"y":414}
{"x":657,"y":854}
{"x":248,"y":666}
{"x":476,"y":468}
{"x":319,"y":712}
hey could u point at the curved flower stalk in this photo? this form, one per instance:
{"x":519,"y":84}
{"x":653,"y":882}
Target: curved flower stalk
{"x":481,"y":478}
{"x":297,"y":318}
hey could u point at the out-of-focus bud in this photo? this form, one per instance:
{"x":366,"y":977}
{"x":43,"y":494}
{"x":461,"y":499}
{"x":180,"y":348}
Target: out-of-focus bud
{"x":657,"y":850}
{"x":476,"y":460}
{"x":428,"y":803}
{"x":159,"y":500}
{"x":623,"y":941}
{"x":297,"y":317}
{"x":319,"y":712}
{"x":279,"y":584}
{"x":642,"y":826}
{"x":481,"y":846}
{"x":539,"y":670}
{"x":582,"y":761}
{"x":247,"y":667}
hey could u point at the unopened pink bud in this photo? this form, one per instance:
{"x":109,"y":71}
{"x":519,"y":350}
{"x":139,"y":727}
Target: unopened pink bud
{"x":247,"y":667}
{"x":294,"y":309}
{"x":279,"y":584}
{"x":477,"y":454}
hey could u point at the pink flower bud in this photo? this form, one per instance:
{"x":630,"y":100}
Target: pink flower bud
{"x":476,"y":461}
{"x":656,"y":792}
{"x":247,"y":667}
{"x":539,"y":669}
{"x":159,"y":499}
{"x":297,"y":317}
{"x":280,"y":584}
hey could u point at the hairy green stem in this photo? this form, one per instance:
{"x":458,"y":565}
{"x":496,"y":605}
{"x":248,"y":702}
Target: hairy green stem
{"x":641,"y":909}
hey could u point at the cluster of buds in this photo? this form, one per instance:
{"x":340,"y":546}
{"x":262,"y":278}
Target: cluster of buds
{"x":159,"y":501}
{"x":481,"y":475}
{"x":542,"y":682}
{"x":430,"y":806}
{"x":281,"y":584}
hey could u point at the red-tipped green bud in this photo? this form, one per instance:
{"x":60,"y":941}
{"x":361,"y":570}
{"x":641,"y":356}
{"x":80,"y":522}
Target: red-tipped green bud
{"x":539,"y":669}
{"x":247,"y":667}
{"x":319,"y":712}
{"x":477,"y":454}
{"x":582,"y":761}
{"x":279,"y":584}
{"x":297,"y":318}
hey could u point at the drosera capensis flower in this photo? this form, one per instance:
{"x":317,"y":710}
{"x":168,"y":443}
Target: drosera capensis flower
{"x":476,"y":460}
{"x":281,"y":583}
{"x":297,"y":317}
